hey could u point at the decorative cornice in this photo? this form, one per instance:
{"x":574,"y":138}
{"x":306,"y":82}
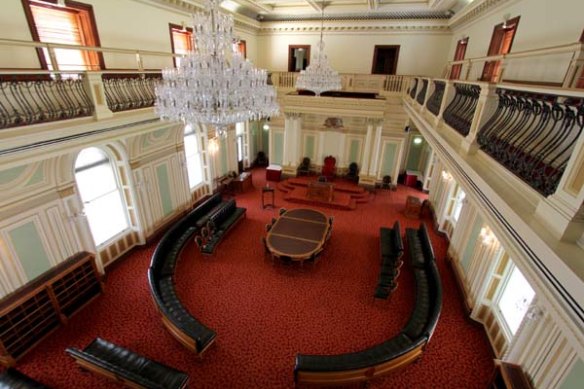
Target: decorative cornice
{"x":392,"y":15}
{"x":474,"y":10}
{"x":358,"y":27}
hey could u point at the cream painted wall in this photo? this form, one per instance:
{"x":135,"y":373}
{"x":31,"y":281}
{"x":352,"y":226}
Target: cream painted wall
{"x":543,"y":23}
{"x":420,"y":53}
{"x":129,"y":24}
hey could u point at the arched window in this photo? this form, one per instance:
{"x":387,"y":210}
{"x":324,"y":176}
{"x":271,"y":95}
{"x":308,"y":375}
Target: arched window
{"x":99,"y":188}
{"x":193,"y":157}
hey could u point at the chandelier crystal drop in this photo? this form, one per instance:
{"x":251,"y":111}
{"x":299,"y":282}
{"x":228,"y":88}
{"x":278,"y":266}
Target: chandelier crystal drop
{"x":214,"y":84}
{"x":319,"y":76}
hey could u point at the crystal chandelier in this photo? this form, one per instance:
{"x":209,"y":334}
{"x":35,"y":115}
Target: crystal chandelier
{"x":319,"y":76}
{"x":214,"y":84}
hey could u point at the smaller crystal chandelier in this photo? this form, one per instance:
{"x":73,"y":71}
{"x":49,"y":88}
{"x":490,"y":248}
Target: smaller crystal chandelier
{"x":214,"y":84}
{"x":319,"y":76}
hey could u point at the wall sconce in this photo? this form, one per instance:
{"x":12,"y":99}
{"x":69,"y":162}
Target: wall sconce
{"x":417,"y":140}
{"x":266,"y":127}
{"x":487,"y":236}
{"x":446,"y":176}
{"x":531,"y":309}
{"x":213,"y":146}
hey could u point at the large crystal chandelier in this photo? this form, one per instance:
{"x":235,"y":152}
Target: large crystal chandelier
{"x":319,"y":76}
{"x":214,"y":84}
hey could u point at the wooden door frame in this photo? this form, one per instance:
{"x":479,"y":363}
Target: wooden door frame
{"x":394,"y":65}
{"x":494,"y":64}
{"x":291,"y":57}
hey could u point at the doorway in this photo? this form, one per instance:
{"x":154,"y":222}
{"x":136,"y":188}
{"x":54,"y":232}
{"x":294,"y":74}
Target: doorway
{"x":385,"y":59}
{"x":298,"y":57}
{"x":501,"y":42}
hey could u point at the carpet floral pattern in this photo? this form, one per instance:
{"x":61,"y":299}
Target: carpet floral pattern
{"x":264,"y":314}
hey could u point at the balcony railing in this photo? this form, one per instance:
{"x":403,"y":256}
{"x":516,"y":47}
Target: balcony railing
{"x":422,"y":94}
{"x":533,"y":136}
{"x":27,"y":99}
{"x":528,"y":66}
{"x":435,"y":100}
{"x":460,"y":111}
{"x":530,"y":131}
{"x":350,"y":82}
{"x":130,"y":91}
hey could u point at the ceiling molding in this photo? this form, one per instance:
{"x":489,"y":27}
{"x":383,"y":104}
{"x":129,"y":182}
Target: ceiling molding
{"x":356,"y":26}
{"x":474,"y":11}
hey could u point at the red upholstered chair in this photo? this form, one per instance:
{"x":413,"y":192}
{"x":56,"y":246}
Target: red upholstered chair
{"x":329,"y":169}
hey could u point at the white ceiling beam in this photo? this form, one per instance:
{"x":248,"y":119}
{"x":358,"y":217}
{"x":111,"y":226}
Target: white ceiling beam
{"x":317,"y":6}
{"x":255,"y":5}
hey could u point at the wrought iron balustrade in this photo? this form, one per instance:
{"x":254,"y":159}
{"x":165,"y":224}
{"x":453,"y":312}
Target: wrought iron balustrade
{"x":413,"y":89}
{"x":130,"y":91}
{"x":40,"y":98}
{"x":422,"y":95}
{"x":533,"y":136}
{"x":435,"y":100}
{"x":460,"y":111}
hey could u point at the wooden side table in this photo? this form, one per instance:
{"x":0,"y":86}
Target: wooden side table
{"x":242,"y":182}
{"x":413,"y":207}
{"x":266,"y":190}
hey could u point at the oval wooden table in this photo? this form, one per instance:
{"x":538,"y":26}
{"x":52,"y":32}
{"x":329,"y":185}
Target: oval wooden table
{"x":298,"y":234}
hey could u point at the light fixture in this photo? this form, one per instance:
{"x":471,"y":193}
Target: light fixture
{"x":531,"y":309}
{"x":487,"y":236}
{"x":214,"y":84}
{"x":213,"y":146}
{"x":446,"y":176}
{"x":266,"y":127}
{"x":417,"y":140}
{"x":319,"y":76}
{"x":506,"y":24}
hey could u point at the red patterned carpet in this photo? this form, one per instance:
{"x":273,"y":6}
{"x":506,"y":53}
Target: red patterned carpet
{"x":265,"y":314}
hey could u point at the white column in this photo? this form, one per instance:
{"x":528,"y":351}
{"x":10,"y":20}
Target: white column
{"x":374,"y":167}
{"x":367,"y":149}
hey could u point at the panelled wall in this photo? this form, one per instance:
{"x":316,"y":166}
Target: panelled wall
{"x":41,"y":213}
{"x":481,"y":264}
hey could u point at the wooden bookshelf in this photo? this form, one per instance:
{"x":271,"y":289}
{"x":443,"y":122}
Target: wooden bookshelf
{"x":36,"y":309}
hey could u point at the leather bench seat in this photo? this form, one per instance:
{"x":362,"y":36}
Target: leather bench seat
{"x":129,"y":365}
{"x":13,"y":379}
{"x":417,"y":323}
{"x":384,"y":352}
{"x":401,"y":349}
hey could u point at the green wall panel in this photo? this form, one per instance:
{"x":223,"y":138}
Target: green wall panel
{"x":164,"y":189}
{"x":278,"y":153}
{"x":470,"y":244}
{"x":223,"y":153}
{"x":413,"y":162}
{"x":265,"y":141}
{"x":575,"y":378}
{"x":37,"y":177}
{"x":30,"y":250}
{"x":388,"y":163}
{"x":354,"y":150}
{"x":309,"y":147}
{"x":9,"y":175}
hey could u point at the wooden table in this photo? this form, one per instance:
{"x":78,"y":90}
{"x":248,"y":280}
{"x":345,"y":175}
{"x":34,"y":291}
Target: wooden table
{"x":268,"y":190}
{"x":242,"y":182}
{"x":298,"y":233}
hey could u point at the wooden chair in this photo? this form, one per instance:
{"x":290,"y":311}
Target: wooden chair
{"x":268,"y":227}
{"x":282,"y":211}
{"x":199,"y":241}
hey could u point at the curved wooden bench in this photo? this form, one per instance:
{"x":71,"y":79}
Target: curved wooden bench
{"x":175,"y":317}
{"x":396,"y":352}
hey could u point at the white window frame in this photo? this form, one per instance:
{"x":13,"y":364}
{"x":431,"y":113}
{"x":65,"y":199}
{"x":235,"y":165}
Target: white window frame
{"x":511,"y":267}
{"x":113,"y":166}
{"x":197,"y":155}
